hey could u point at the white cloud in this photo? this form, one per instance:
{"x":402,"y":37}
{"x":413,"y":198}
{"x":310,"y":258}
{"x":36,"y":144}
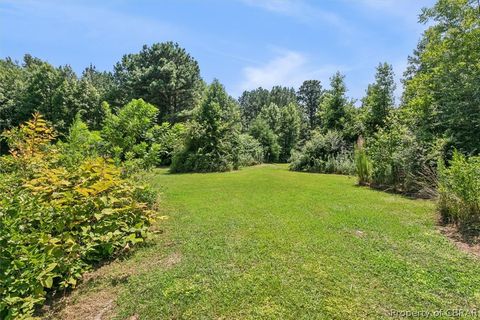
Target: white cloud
{"x":301,"y":11}
{"x":97,"y":21}
{"x":288,"y":68}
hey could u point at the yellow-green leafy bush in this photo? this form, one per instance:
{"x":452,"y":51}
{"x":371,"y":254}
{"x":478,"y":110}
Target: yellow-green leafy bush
{"x":55,"y":223}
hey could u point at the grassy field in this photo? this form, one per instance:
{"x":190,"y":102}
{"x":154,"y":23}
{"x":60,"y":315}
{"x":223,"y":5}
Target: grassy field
{"x":267,"y":243}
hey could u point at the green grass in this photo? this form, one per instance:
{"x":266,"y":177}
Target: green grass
{"x":267,"y":243}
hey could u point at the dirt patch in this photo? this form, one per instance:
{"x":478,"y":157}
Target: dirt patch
{"x":94,"y":298}
{"x":466,"y":243}
{"x":95,"y":305}
{"x":359,"y":233}
{"x":172,"y":260}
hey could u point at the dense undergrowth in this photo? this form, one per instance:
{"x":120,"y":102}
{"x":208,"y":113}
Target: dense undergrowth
{"x":459,"y":193}
{"x":60,"y":215}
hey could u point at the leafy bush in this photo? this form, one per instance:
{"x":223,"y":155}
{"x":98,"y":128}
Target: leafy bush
{"x":261,"y":131}
{"x":324,"y":153}
{"x":342,"y":163}
{"x":128,"y":135}
{"x":211,"y":142}
{"x":459,"y":191}
{"x":56,"y":221}
{"x":80,"y":143}
{"x":388,"y":151}
{"x":251,"y":151}
{"x":400,"y":162}
{"x":167,"y":140}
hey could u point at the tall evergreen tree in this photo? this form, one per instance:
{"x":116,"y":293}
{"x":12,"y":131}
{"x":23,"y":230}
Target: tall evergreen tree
{"x":333,"y":108}
{"x":163,"y":74}
{"x":251,"y":103}
{"x":282,"y":96}
{"x":309,"y":96}
{"x":380,"y":99}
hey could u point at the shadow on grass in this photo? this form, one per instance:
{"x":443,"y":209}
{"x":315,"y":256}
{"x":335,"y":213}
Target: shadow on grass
{"x":466,"y":239}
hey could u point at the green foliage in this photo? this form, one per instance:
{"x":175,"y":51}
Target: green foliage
{"x":324,"y":153}
{"x":50,"y":91}
{"x":261,"y":131}
{"x":440,"y":105}
{"x":30,"y":147}
{"x":212,"y":137}
{"x":56,"y":92}
{"x":251,"y":104}
{"x":441,"y":98}
{"x":337,"y":112}
{"x":164,"y":75}
{"x":90,"y":98}
{"x":278,"y":130}
{"x":128,"y":135}
{"x":56,"y":221}
{"x":282,"y":96}
{"x":332,"y":111}
{"x":80,"y":143}
{"x":289,"y":130}
{"x":459,"y":192}
{"x":255,"y":102}
{"x":363,"y":165}
{"x":400,"y":162}
{"x":167,"y":140}
{"x":380,"y":99}
{"x":272,"y":114}
{"x":250,"y":151}
{"x":390,"y":151}
{"x":310,"y":96}
{"x":12,"y":83}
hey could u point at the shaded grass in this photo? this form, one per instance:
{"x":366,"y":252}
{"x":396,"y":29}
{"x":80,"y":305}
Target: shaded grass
{"x":268,"y":243}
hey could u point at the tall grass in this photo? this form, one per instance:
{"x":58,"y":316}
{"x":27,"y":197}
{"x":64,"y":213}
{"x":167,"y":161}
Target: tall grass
{"x":459,"y":191}
{"x":363,"y":165}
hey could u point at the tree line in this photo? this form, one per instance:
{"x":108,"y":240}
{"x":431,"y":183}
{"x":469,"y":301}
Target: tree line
{"x":313,"y":127}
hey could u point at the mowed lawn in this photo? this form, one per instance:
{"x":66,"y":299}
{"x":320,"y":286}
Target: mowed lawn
{"x":267,"y":243}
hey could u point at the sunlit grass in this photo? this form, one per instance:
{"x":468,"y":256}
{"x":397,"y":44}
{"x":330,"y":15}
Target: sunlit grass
{"x":267,"y":243}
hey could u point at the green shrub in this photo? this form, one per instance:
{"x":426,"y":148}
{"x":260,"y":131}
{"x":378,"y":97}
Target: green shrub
{"x":363,"y":165}
{"x":250,"y":151}
{"x":129,"y":135}
{"x":212,"y":138}
{"x":399,"y":161}
{"x":459,"y":191}
{"x":167,"y":140}
{"x":342,"y":163}
{"x":324,"y":153}
{"x":56,"y":221}
{"x":262,"y":132}
{"x":80,"y":143}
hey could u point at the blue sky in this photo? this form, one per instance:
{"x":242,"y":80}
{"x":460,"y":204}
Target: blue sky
{"x":243,"y":43}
